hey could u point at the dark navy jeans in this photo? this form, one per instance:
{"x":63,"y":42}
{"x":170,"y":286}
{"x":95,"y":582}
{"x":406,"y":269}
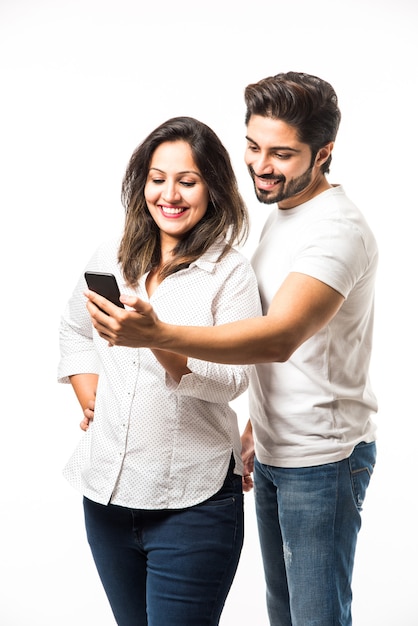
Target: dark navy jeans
{"x":168,"y":568}
{"x":308,"y":521}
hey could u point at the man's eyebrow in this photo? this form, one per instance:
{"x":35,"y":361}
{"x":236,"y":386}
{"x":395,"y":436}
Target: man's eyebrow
{"x":287,"y":148}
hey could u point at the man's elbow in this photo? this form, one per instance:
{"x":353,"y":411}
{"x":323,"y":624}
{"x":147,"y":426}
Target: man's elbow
{"x":281,"y":356}
{"x":281,"y":351}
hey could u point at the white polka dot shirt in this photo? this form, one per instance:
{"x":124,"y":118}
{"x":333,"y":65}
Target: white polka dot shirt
{"x":153,"y":443}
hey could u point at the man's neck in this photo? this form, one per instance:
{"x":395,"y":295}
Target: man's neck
{"x":318,"y":185}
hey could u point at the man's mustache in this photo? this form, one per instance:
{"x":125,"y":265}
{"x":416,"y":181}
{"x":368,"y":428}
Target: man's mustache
{"x":279,"y":179}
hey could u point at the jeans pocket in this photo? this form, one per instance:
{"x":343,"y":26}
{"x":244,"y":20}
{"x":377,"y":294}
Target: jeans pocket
{"x":362,"y":462}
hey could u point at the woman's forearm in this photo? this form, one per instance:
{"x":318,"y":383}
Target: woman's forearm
{"x":85,"y":386}
{"x":174,"y":364}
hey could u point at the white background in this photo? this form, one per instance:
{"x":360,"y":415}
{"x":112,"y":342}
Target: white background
{"x":82,"y":83}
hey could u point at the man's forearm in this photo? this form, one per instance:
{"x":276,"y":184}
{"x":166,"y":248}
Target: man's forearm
{"x":243,"y":342}
{"x":264,"y":339}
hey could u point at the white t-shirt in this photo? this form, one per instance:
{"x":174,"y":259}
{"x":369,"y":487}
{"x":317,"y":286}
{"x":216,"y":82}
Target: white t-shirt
{"x":314,"y":408}
{"x":156,"y":444}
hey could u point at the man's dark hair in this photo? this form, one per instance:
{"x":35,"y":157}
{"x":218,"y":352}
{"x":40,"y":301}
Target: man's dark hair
{"x":306,"y":102}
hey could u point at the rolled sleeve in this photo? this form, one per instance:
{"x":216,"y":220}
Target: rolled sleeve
{"x":212,"y":382}
{"x":77,"y":363}
{"x":78,"y":354}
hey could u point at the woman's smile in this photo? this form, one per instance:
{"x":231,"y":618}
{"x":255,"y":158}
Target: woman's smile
{"x":171,"y":211}
{"x":176,"y":194}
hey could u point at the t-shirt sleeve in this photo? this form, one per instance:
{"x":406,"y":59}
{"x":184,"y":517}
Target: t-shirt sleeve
{"x":334,"y":252}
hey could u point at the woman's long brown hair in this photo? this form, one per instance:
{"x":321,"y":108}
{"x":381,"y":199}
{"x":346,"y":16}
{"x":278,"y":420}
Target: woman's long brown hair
{"x":226,"y":215}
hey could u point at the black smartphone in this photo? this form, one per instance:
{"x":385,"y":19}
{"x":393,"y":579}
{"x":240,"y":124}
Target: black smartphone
{"x":105,"y":285}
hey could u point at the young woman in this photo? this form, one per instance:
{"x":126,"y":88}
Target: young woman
{"x":160,"y":465}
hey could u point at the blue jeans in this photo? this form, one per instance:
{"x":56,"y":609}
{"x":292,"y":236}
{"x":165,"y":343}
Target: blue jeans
{"x":308,"y":521}
{"x":170,"y":567}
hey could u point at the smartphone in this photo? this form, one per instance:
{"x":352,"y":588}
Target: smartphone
{"x":105,"y":285}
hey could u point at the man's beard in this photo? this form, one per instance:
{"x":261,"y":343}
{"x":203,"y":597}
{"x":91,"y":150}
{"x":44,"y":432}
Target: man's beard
{"x":288,"y":190}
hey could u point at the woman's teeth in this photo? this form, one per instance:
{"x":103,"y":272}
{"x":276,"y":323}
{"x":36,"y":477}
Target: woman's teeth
{"x":171,"y":210}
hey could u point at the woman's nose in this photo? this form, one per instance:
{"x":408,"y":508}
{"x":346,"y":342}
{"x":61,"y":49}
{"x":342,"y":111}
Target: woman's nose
{"x":171,"y":192}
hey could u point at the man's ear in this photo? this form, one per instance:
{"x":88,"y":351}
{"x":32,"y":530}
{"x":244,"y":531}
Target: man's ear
{"x":323,"y":153}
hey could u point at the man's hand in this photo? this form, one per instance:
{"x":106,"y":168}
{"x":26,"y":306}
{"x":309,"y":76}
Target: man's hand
{"x":136,"y":327}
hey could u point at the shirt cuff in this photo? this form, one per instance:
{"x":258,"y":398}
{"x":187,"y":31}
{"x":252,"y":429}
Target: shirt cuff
{"x":80,"y":363}
{"x":189,"y":382}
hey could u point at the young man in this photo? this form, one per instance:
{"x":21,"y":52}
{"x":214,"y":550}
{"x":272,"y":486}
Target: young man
{"x":310,"y":397}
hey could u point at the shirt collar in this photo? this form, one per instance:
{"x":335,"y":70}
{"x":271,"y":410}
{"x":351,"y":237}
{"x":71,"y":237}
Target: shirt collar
{"x":209,"y":258}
